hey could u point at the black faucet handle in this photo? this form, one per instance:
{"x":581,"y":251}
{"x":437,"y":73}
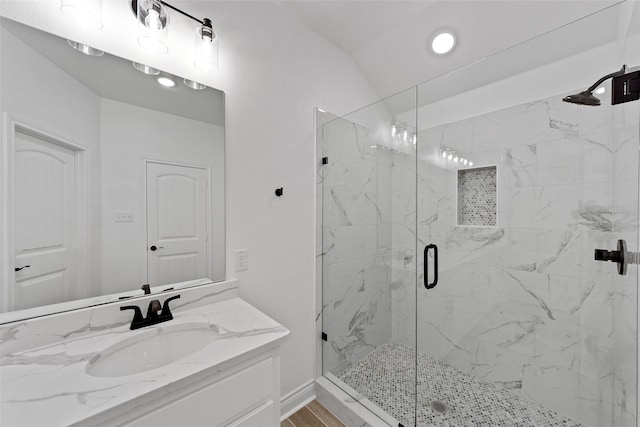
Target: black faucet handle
{"x":154,"y":307}
{"x":146,"y":288}
{"x":137,"y":315}
{"x":166,"y":311}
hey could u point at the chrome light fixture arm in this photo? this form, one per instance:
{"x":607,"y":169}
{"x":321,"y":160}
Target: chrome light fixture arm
{"x":134,"y":8}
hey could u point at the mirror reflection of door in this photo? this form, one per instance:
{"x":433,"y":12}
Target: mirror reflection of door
{"x":45,"y":201}
{"x":176,"y":223}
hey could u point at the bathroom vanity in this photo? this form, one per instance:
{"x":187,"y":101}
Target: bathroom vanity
{"x":216,"y":363}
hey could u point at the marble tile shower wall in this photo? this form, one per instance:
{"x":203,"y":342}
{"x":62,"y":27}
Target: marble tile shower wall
{"x":356,"y":312}
{"x":523,"y":303}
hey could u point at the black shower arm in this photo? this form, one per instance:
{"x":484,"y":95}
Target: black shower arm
{"x":608,"y":76}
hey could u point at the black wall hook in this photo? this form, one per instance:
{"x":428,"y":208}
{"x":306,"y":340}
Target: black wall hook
{"x":279,"y":191}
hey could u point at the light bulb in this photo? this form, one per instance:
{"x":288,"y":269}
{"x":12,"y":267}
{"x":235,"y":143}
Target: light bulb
{"x":444,"y":154}
{"x":465,"y":162}
{"x":404,"y":135}
{"x":206,"y":47}
{"x":393,"y":130}
{"x":470,"y":163}
{"x":450,"y":156}
{"x":153,"y":20}
{"x":455,"y":159}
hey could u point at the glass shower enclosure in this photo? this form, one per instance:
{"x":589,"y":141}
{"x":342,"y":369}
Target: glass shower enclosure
{"x":459,"y":221}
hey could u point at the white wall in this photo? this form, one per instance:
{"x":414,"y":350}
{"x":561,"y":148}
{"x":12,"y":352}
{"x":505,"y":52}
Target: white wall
{"x":130,"y":135}
{"x":37,"y":93}
{"x":273,"y":71}
{"x":278,"y":81}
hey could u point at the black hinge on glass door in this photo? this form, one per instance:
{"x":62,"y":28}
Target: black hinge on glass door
{"x":426,"y":266}
{"x":324,"y":336}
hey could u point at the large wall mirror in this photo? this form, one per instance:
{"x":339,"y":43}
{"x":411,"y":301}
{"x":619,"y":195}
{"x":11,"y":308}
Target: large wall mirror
{"x":110,"y":180}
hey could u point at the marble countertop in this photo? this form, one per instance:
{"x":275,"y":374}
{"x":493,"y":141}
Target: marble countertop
{"x":48,"y":385}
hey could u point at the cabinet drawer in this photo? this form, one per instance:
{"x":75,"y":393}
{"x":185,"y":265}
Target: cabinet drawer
{"x":262,"y":416}
{"x":217,"y":403}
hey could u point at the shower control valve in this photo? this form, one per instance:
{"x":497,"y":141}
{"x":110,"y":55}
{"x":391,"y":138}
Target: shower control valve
{"x":620,"y":257}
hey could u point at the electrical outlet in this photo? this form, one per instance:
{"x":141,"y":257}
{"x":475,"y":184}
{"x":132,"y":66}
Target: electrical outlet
{"x":242,"y":260}
{"x":123,"y":216}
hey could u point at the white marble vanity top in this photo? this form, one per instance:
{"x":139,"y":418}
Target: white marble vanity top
{"x":48,"y":384}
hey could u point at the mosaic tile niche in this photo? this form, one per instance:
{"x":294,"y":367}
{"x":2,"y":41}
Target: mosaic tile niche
{"x":477,"y":197}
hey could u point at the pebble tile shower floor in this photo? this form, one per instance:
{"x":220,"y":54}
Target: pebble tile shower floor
{"x":386,"y":377}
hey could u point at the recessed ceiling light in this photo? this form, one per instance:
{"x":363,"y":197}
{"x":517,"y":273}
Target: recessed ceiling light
{"x":166,"y":81}
{"x":86,"y":49}
{"x":145,"y":69}
{"x":193,"y":84}
{"x":600,"y":90}
{"x":443,"y":42}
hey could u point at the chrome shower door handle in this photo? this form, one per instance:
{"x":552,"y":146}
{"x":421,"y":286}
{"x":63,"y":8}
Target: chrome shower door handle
{"x":426,"y":266}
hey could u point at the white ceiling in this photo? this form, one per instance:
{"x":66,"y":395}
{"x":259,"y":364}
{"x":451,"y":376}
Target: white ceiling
{"x":352,"y":25}
{"x":389,"y":40}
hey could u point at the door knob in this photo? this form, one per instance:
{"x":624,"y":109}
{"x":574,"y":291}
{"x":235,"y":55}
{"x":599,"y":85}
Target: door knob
{"x":154,"y":247}
{"x":21,"y":268}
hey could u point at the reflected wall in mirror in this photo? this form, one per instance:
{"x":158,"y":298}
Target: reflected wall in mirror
{"x":112,"y":180}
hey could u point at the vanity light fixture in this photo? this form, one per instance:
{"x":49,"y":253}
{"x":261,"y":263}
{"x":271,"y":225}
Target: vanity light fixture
{"x":86,"y":13}
{"x":86,"y":49}
{"x":443,"y":42}
{"x":145,"y":69}
{"x":153,"y":15}
{"x":166,"y":81}
{"x":452,"y":155}
{"x":152,"y":34}
{"x":206,"y":43}
{"x":193,"y":84}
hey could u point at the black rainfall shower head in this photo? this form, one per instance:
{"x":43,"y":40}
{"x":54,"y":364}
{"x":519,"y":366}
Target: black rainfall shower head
{"x":582,"y":98}
{"x":587,"y":97}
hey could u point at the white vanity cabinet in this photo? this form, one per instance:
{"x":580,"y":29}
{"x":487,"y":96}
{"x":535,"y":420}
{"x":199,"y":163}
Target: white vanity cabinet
{"x":231,"y":380}
{"x":246,"y":394}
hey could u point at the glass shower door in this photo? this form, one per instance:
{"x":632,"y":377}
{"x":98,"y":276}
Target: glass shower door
{"x":367,"y":173}
{"x":517,"y":323}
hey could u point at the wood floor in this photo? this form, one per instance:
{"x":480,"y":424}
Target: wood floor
{"x":312,"y":415}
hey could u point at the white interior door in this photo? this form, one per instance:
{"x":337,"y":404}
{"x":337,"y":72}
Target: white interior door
{"x":44,"y":222}
{"x":176,"y":223}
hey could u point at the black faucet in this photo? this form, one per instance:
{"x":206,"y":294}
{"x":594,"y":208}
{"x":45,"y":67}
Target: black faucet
{"x":152,"y":313}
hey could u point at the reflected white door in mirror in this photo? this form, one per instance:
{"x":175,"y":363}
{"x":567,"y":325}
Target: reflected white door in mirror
{"x":49,"y":204}
{"x":177,"y":217}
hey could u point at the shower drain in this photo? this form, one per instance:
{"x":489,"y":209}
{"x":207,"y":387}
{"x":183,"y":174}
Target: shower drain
{"x":439,"y":407}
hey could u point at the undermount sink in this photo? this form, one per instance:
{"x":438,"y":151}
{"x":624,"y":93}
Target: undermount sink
{"x":150,"y":350}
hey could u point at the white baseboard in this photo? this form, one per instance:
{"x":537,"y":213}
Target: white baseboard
{"x":297,"y":399}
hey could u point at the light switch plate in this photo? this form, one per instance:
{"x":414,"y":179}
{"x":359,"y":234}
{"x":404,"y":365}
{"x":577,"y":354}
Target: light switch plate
{"x":123,"y":216}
